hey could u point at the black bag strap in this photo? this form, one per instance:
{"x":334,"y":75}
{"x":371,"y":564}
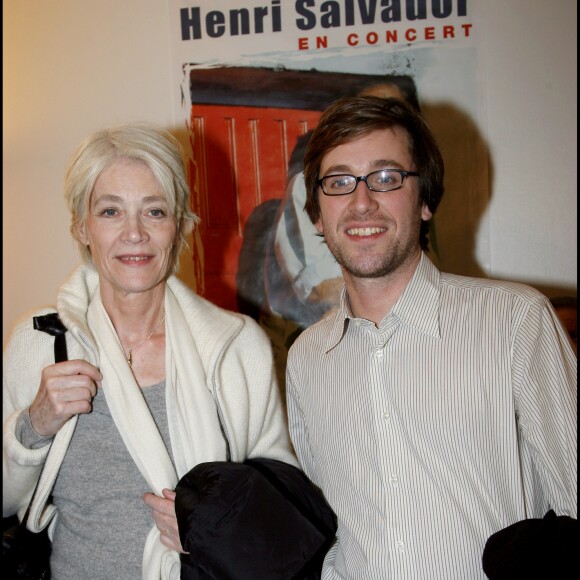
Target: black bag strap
{"x":51,"y":324}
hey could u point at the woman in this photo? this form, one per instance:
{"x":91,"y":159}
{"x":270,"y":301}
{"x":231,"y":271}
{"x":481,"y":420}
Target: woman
{"x":157,"y":381}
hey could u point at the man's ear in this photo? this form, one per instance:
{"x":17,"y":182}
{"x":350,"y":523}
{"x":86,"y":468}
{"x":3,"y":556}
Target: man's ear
{"x":318,"y":226}
{"x":426,"y":213}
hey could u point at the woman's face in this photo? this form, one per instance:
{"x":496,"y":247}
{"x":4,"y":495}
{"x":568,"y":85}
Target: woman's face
{"x":130,"y":229}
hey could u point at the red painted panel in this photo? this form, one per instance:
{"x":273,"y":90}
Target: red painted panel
{"x":240,"y":159}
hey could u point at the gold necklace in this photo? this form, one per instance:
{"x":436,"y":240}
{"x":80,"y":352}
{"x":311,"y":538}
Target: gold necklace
{"x":129,"y":353}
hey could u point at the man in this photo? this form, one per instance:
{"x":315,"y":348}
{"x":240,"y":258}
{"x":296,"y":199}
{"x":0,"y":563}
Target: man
{"x":302,"y":278}
{"x":432,"y":410}
{"x":307,"y":279}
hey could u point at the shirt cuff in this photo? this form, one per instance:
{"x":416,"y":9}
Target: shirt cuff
{"x":26,"y":434}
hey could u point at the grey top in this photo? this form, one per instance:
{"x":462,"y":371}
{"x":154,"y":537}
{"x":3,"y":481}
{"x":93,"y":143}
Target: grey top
{"x":103,"y":522}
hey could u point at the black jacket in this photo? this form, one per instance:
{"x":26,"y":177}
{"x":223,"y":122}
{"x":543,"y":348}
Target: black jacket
{"x":257,"y":520}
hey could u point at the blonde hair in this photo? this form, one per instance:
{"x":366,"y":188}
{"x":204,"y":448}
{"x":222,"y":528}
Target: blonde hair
{"x":141,"y":142}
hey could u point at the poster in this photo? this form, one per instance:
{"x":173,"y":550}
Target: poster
{"x":253,"y":77}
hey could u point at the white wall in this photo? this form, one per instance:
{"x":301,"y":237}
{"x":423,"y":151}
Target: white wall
{"x":531,"y":82}
{"x":71,"y":66}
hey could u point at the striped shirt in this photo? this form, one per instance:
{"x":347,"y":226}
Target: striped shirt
{"x":456,"y":417}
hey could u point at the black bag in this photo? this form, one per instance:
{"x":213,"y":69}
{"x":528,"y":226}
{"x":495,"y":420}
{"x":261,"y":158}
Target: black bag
{"x":534,"y":548}
{"x":258,"y":520}
{"x":26,"y":555}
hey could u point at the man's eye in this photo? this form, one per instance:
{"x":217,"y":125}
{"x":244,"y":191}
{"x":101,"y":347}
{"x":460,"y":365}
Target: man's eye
{"x":384,"y":178}
{"x":340,"y":182}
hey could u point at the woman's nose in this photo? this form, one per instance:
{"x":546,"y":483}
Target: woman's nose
{"x":134,"y":229}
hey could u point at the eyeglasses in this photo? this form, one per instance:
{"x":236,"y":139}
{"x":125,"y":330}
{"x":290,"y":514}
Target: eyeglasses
{"x":381,"y":180}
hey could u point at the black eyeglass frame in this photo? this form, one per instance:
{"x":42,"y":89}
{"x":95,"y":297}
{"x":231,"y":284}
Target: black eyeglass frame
{"x":402,"y":173}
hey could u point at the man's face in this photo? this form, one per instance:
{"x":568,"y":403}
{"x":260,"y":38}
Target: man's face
{"x":372,"y":234}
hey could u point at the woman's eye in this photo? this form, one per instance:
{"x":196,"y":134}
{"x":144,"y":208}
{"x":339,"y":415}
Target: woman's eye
{"x":157,"y":213}
{"x":109,"y":212}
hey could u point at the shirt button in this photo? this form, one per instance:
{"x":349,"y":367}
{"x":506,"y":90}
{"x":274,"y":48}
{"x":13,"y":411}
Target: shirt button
{"x":394,"y":480}
{"x":400,"y":545}
{"x":386,"y":415}
{"x":379,"y":353}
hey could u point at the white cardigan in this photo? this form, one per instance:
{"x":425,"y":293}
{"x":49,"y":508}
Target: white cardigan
{"x":215,"y":360}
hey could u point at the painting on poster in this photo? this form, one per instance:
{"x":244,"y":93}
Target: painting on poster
{"x":253,"y":78}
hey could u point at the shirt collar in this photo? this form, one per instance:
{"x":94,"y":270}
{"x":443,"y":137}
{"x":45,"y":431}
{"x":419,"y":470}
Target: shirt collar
{"x":339,"y":323}
{"x":423,"y":290}
{"x":418,"y":306}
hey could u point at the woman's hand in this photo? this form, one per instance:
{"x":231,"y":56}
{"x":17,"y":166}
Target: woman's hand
{"x":66,"y":389}
{"x":163,"y":512}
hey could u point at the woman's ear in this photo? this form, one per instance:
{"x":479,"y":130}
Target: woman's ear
{"x":79,"y":231}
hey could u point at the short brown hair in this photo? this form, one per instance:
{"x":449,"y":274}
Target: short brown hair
{"x":348,"y":119}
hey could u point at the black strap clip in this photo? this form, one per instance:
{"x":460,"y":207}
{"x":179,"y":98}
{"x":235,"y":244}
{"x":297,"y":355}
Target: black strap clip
{"x":51,"y":324}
